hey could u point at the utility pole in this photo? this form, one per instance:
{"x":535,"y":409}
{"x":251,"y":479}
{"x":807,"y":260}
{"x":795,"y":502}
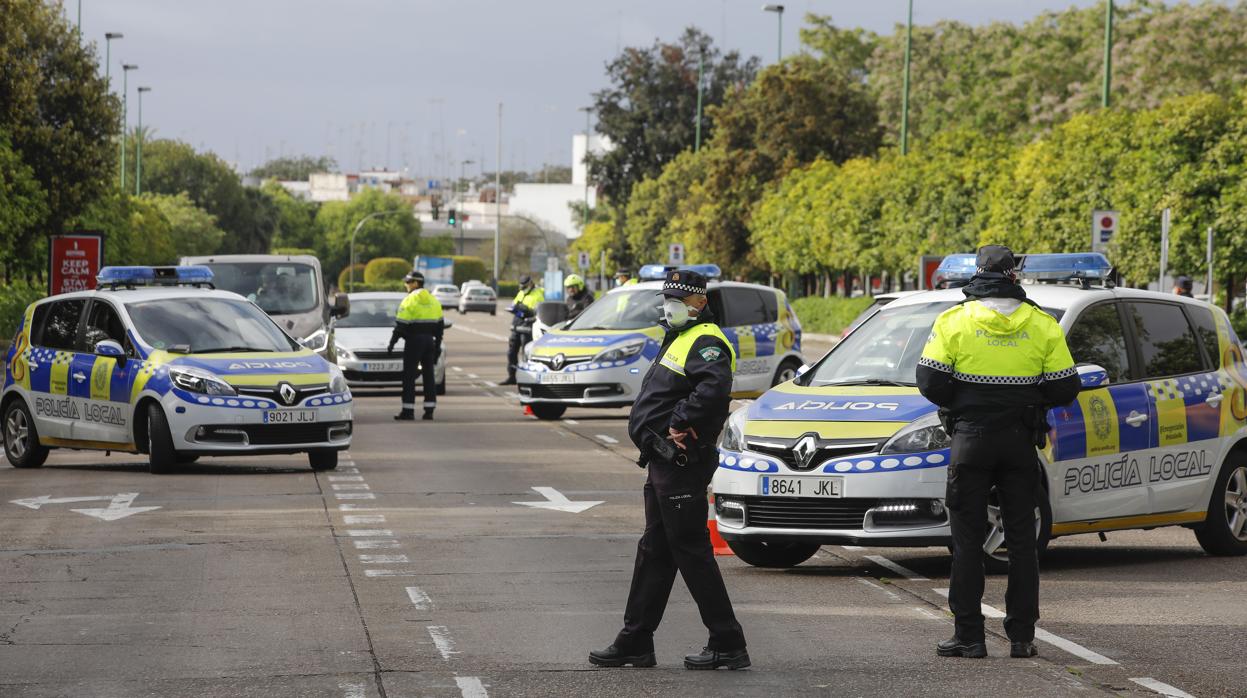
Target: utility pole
{"x":701,"y":61}
{"x":462,"y":168}
{"x":909,"y":40}
{"x":138,"y":164}
{"x":779,"y":13}
{"x":125,"y":93}
{"x":498,"y":198}
{"x":584,"y":223}
{"x":1108,"y":54}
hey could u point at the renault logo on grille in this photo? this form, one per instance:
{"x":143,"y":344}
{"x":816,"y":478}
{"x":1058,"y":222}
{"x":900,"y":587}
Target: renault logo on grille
{"x":287,"y":393}
{"x":558,"y":361}
{"x":804,"y":450}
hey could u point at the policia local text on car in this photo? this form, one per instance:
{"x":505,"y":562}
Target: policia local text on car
{"x":420,"y":325}
{"x":995,"y":364}
{"x":675,"y":423}
{"x":524,"y":309}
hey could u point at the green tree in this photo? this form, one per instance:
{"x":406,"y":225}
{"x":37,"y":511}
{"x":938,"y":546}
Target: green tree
{"x":59,"y":117}
{"x":294,"y":168}
{"x":136,"y":231}
{"x":396,"y":234}
{"x":193,"y":230}
{"x":296,"y":218}
{"x":660,"y":205}
{"x":23,"y":204}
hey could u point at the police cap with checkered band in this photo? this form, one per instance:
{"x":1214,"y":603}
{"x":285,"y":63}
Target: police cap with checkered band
{"x":683,"y":282}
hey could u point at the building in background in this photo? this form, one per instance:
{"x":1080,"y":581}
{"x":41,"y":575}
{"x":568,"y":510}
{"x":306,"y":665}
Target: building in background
{"x":550,"y":204}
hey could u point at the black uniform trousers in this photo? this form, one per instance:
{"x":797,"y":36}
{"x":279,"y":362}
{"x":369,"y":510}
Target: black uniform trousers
{"x":419,"y":359}
{"x":518,"y":340}
{"x":676,"y":539}
{"x":1003,"y":457}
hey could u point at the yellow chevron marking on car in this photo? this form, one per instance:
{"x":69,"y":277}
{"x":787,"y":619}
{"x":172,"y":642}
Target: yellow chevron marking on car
{"x":59,"y":381}
{"x":154,"y":361}
{"x":265,"y":380}
{"x":827,"y":430}
{"x":747,"y":343}
{"x":786,"y":337}
{"x":791,"y":388}
{"x":102,"y":377}
{"x":1100,"y":417}
{"x":1170,"y":411}
{"x":20,"y":368}
{"x":1072,"y":527}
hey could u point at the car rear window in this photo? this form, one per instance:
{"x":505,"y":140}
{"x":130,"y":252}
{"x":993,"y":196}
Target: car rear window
{"x":1167,"y":345}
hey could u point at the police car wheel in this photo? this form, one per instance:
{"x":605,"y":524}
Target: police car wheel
{"x":786,"y":371}
{"x":21,"y":439}
{"x":773,"y":554}
{"x":1224,"y":532}
{"x":161,"y":456}
{"x":547,"y":411}
{"x":322,"y":460}
{"x":995,"y":554}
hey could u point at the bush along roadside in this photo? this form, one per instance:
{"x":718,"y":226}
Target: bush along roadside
{"x":14,"y":298}
{"x":828,"y":315}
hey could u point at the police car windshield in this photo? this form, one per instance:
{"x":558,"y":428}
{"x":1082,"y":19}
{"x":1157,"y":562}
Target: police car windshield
{"x":204,"y":325}
{"x":626,"y":310}
{"x":884,"y":350}
{"x":280,"y":288}
{"x":372,"y":312}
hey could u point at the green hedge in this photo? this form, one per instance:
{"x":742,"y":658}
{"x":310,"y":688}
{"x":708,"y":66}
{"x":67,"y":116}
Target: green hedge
{"x":468,"y":268}
{"x":507,"y":289}
{"x":828,"y":315}
{"x":383,"y":286}
{"x":385,"y":269}
{"x":344,"y":276}
{"x":13,"y":301}
{"x":293,"y":251}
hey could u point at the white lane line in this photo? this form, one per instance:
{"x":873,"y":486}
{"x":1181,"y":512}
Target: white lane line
{"x":479,"y":333}
{"x":491,"y":384}
{"x":352,"y":690}
{"x":390,"y":573}
{"x":351,"y":486}
{"x":903,"y":571}
{"x":419,"y":599}
{"x":354,"y":507}
{"x":473,"y":375}
{"x":441,"y":638}
{"x":347,"y":471}
{"x":852,"y":547}
{"x":456,"y":368}
{"x":370,"y":533}
{"x":354,"y":495}
{"x":364,"y":519}
{"x":346,"y":478}
{"x":1044,"y":636}
{"x":927,"y":612}
{"x":376,"y":544}
{"x":471,"y":687}
{"x":571,"y":422}
{"x":383,"y":559}
{"x":891,"y":594}
{"x":1162,"y":688}
{"x":607,"y":439}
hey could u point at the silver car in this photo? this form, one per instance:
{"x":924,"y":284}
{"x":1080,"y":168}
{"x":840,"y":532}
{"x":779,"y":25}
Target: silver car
{"x":361,"y":339}
{"x":447,"y":295}
{"x":479,"y":299}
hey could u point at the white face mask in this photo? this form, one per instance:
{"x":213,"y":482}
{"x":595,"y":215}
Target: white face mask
{"x":675,"y":312}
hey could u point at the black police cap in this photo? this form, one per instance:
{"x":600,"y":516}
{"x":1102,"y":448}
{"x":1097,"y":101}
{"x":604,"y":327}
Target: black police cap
{"x":683,"y":282}
{"x":995,"y":258}
{"x":413,"y":276}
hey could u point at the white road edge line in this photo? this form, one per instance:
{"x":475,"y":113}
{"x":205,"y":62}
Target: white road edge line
{"x":571,"y":422}
{"x":903,"y":571}
{"x":419,"y":599}
{"x":473,"y":375}
{"x":352,"y":690}
{"x":469,"y":330}
{"x":1162,"y":688}
{"x":456,"y":368}
{"x":1044,"y":636}
{"x":607,"y":439}
{"x":471,"y":687}
{"x":442,"y":640}
{"x":891,"y":594}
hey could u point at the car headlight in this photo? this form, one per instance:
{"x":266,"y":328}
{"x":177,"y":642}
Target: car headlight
{"x":200,"y":381}
{"x":337,"y":381}
{"x":316,"y":341}
{"x":734,"y":432}
{"x":925,"y":434}
{"x":621,"y":352}
{"x":343,"y":353}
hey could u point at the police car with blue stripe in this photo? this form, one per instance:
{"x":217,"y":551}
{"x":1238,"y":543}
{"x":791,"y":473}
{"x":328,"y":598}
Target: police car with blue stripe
{"x":850,"y":453}
{"x":600,"y":358}
{"x":156,"y":361}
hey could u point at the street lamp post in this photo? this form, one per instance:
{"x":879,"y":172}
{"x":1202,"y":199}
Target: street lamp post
{"x":701,"y":64}
{"x":909,"y":40}
{"x":351,"y":266}
{"x":779,"y":13}
{"x":1108,"y":54}
{"x":584,"y":221}
{"x":108,"y":52}
{"x":498,"y":198}
{"x":463,"y":164}
{"x":138,"y":163}
{"x":125,"y":93}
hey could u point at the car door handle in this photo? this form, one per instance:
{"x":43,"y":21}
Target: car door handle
{"x":80,"y":376}
{"x":1136,"y":418}
{"x":1215,"y":399}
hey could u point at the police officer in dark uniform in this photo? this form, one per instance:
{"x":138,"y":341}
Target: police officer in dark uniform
{"x":675,"y":423}
{"x":995,"y":364}
{"x":420,"y":325}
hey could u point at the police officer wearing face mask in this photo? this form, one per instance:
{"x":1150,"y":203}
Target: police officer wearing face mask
{"x":995,"y":364}
{"x":675,"y":423}
{"x":525,"y":311}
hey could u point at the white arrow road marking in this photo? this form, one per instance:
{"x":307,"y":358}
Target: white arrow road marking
{"x":118,"y":505}
{"x":557,"y":502}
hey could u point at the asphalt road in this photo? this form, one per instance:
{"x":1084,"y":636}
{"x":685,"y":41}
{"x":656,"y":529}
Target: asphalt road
{"x":413,"y":570}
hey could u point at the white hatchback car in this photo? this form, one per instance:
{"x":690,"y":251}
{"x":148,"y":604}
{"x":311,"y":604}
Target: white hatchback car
{"x":447,"y":295}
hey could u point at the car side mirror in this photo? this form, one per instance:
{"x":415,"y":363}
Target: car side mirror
{"x":341,"y":306}
{"x":1092,"y":376}
{"x":108,"y":347}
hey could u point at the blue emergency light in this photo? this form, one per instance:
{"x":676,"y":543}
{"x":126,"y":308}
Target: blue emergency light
{"x":955,"y":270}
{"x":658,"y":272}
{"x":1082,"y":266}
{"x":155,"y":276}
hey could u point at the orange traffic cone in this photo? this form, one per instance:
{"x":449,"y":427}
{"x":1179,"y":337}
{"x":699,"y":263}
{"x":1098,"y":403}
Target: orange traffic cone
{"x":528,"y":411}
{"x":716,"y":540}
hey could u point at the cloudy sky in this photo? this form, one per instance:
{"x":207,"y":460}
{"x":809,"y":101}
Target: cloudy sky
{"x":416,"y":84}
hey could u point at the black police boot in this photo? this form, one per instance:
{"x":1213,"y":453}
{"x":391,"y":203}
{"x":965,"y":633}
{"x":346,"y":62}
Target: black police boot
{"x":711,"y":659}
{"x":509,"y":381}
{"x":1022,"y":650}
{"x":428,"y":415}
{"x":614,"y":657}
{"x":955,"y":647}
{"x":405,"y":415}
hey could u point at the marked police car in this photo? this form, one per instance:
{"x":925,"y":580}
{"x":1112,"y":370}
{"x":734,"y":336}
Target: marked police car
{"x":850,"y":453}
{"x":600,"y":358}
{"x":154,"y":361}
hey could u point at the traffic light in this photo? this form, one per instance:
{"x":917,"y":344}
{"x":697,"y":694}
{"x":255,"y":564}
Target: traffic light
{"x":451,"y":218}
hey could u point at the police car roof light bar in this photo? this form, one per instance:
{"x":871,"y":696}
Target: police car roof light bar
{"x":955,"y":270}
{"x":658,"y":272}
{"x":131,"y":277}
{"x":1082,"y":267}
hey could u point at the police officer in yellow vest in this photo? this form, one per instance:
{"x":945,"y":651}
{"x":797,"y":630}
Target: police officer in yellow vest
{"x":419,"y":324}
{"x":524,"y":308}
{"x":675,"y":423}
{"x":623,"y":277}
{"x":995,"y":364}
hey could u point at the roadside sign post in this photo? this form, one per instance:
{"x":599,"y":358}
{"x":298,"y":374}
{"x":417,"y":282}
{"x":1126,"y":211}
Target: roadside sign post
{"x":1103,"y":228}
{"x":584,"y":261}
{"x":1208,"y":285}
{"x":927,"y":266}
{"x":675,"y":254}
{"x":1164,"y":248}
{"x":74,"y":260}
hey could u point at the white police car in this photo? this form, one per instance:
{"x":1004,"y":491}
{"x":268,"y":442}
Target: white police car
{"x":850,"y":453}
{"x":156,"y":362}
{"x":600,"y":358}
